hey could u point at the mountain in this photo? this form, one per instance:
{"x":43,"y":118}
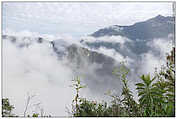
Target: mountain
{"x":92,"y":66}
{"x":95,"y":66}
{"x":157,"y":27}
{"x":140,"y":35}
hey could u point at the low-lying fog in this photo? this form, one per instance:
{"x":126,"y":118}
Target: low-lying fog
{"x":36,"y":70}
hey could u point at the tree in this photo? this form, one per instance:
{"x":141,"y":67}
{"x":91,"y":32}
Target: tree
{"x":146,"y":94}
{"x":157,"y":98}
{"x":130,"y":104}
{"x":167,"y":79}
{"x":77,"y":86}
{"x":27,"y":103}
{"x":156,"y":95}
{"x":7,"y":108}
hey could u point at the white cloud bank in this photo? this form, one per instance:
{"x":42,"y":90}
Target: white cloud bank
{"x":36,"y":70}
{"x":109,"y":39}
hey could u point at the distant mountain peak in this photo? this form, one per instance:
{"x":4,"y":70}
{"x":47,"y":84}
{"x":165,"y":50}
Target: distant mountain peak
{"x":156,"y":27}
{"x":159,"y":16}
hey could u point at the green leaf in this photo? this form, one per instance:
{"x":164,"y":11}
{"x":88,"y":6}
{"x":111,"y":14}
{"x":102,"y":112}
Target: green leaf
{"x":140,"y":84}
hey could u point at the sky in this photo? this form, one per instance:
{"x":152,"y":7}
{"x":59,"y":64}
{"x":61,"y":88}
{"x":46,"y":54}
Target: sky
{"x":77,"y":18}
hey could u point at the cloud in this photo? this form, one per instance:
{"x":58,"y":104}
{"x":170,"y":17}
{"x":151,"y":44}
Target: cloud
{"x":163,"y":45}
{"x":26,"y":33}
{"x":117,"y":42}
{"x":23,"y":33}
{"x":36,"y":70}
{"x":49,"y":37}
{"x":77,"y":18}
{"x":156,"y":56}
{"x":145,"y":62}
{"x":139,"y":63}
{"x":109,"y":39}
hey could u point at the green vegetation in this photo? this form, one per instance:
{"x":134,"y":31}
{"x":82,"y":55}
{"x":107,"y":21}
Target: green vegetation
{"x":156,"y":96}
{"x":7,"y":108}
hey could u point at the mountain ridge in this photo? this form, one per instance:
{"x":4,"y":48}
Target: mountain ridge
{"x":156,"y":27}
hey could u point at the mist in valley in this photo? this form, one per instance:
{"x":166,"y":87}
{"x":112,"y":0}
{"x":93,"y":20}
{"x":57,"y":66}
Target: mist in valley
{"x":35,"y":68}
